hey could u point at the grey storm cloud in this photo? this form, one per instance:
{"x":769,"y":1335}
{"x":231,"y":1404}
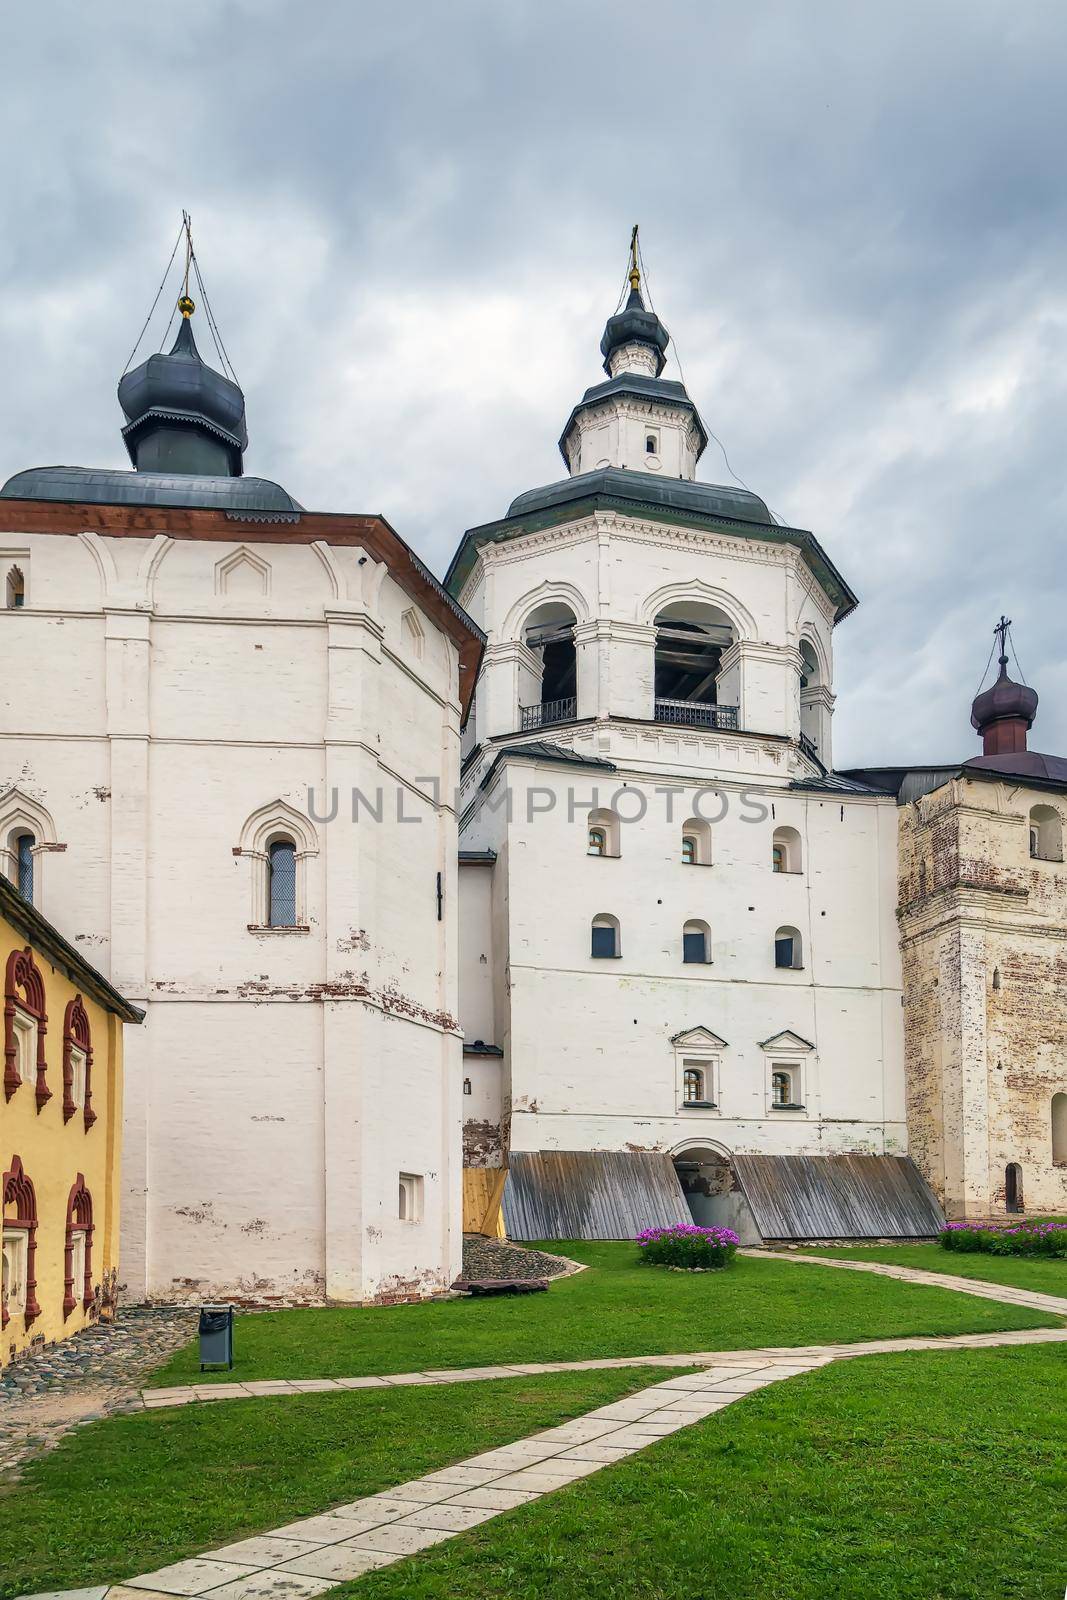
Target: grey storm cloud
{"x":412,"y":222}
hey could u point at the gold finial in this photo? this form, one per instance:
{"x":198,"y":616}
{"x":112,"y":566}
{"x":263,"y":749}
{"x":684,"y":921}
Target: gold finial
{"x":635,"y":271}
{"x":185,"y":305}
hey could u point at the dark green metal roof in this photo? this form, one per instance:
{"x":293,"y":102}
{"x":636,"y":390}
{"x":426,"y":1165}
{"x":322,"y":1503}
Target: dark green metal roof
{"x":675,"y":501}
{"x":113,"y":487}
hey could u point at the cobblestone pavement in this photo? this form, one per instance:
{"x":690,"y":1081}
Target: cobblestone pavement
{"x":91,"y":1375}
{"x":303,"y":1559}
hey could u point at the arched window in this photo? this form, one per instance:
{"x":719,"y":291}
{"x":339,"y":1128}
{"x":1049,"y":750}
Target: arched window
{"x":25,"y":1026}
{"x":1013,"y":1187}
{"x":20,"y":1246}
{"x":781,"y":1087}
{"x":604,"y":833}
{"x":785,"y":850}
{"x":23,"y":853}
{"x":78,"y":1250}
{"x":1046,"y":834}
{"x":691,"y":638}
{"x":788,"y":951}
{"x":605,"y":938}
{"x":696,"y":842}
{"x":696,"y":943}
{"x":693,"y":1086}
{"x":651,"y":444}
{"x":16,"y":589}
{"x":281,"y":869}
{"x":549,"y":635}
{"x":1059,"y":1130}
{"x":77,"y":1063}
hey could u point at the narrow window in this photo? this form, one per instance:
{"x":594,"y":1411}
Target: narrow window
{"x":996,"y":977}
{"x":1059,"y":1130}
{"x":785,"y":850}
{"x":281,"y":871}
{"x":689,"y":850}
{"x":605,"y":942}
{"x":692,"y":1086}
{"x":24,"y":846}
{"x":1013,"y":1187}
{"x":778,"y":858}
{"x":1046,"y":834}
{"x":787,"y":948}
{"x":598,"y":844}
{"x":14,"y":1285}
{"x":696,"y":843}
{"x":781,"y":1087}
{"x":651,"y":444}
{"x":466,"y":1086}
{"x":16,"y":590}
{"x":25,"y":1031}
{"x":1035,"y":840}
{"x":695,"y":943}
{"x":410,"y":1197}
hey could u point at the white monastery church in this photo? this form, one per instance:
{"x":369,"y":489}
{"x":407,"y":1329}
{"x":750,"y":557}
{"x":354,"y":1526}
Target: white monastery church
{"x":640,"y":947}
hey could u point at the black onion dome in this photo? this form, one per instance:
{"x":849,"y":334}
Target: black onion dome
{"x":180,"y":388}
{"x":1005,"y":699}
{"x":635,"y":325}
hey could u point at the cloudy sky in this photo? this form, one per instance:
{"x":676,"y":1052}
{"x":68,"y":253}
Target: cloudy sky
{"x":412,"y":221}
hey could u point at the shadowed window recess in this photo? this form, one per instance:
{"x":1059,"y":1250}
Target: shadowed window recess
{"x":24,"y":847}
{"x":788,"y":950}
{"x":605,"y":938}
{"x":696,"y":944}
{"x":691,"y":639}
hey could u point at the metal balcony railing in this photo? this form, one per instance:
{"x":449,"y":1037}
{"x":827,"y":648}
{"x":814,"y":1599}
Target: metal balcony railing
{"x":696,"y":714}
{"x":547,"y":713}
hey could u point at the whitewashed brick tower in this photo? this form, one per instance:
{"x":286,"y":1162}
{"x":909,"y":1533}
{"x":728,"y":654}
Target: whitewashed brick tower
{"x":679,"y":934}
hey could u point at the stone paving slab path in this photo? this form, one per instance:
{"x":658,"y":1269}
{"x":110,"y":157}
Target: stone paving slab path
{"x":307,"y":1557}
{"x":1033,"y":1299}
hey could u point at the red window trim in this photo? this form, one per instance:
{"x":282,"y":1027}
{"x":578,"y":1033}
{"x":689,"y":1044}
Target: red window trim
{"x":79,"y":1220}
{"x":77,"y":1036}
{"x":23,"y":973}
{"x":19,"y":1191}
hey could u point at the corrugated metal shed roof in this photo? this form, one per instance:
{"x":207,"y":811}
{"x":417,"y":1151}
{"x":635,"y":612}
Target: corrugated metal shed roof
{"x":838,"y":1197}
{"x":590,"y":1194}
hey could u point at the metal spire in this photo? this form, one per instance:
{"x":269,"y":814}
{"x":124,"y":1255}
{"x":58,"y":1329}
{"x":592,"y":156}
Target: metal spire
{"x":635,"y":271}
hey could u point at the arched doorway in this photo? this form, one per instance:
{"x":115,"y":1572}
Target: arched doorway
{"x":713,"y":1195}
{"x":1013,"y":1187}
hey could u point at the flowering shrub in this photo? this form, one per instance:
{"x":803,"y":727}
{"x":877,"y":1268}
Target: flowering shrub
{"x":685,"y":1245}
{"x":1032,"y":1238}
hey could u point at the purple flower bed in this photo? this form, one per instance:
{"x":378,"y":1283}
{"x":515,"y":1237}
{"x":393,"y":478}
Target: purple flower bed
{"x":1034,"y":1238}
{"x":684,"y":1244}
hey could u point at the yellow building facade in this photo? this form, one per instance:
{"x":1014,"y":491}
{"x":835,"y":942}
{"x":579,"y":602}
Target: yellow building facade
{"x":60,"y":1132}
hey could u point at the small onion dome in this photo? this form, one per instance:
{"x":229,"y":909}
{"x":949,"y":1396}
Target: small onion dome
{"x":1006,"y":701}
{"x":179,"y":390}
{"x":634,"y":325}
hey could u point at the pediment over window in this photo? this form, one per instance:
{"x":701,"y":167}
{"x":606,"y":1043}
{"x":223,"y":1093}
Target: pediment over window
{"x":698,"y":1038}
{"x":786,"y":1040}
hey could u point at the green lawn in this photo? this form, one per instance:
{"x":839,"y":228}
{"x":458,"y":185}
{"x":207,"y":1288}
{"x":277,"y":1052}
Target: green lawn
{"x":1019,"y":1272}
{"x":132,"y":1493}
{"x":913,"y":1477}
{"x":617,"y":1308}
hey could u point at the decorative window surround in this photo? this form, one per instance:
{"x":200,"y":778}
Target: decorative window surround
{"x":20,"y":815}
{"x":698,"y":1050}
{"x":78,"y":1250}
{"x":77,"y":1063}
{"x":276,"y":820}
{"x":790,"y":1054}
{"x":19,"y":1192}
{"x":23,"y":974}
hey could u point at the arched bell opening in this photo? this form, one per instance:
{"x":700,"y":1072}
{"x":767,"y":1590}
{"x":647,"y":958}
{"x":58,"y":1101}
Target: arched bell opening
{"x":691,"y":640}
{"x":549,"y":635}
